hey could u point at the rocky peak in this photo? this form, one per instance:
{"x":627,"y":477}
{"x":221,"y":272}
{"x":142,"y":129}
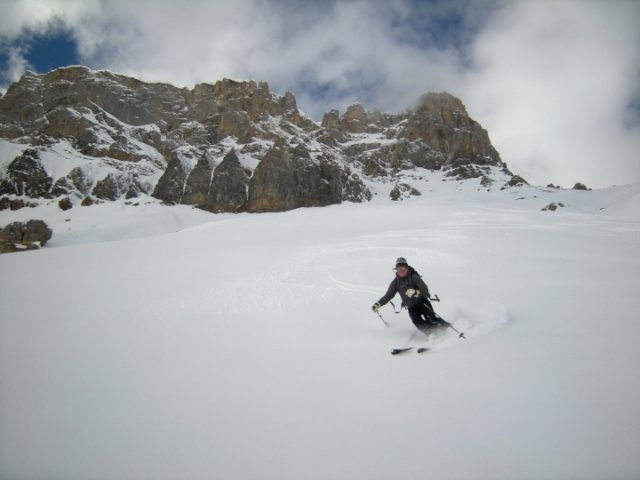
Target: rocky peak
{"x":437,"y":133}
{"x":224,"y":146}
{"x":129,"y":100}
{"x":355,"y":119}
{"x":441,"y":121}
{"x":331,"y":120}
{"x":442,"y":104}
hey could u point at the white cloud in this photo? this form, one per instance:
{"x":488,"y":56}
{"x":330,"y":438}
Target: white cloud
{"x":18,"y":16}
{"x":551,"y":81}
{"x":16,"y":65}
{"x":22,"y":20}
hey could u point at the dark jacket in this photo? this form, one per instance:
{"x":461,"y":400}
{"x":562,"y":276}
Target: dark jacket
{"x":401,"y":285}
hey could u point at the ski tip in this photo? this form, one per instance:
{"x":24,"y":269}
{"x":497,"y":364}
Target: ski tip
{"x":397,"y":351}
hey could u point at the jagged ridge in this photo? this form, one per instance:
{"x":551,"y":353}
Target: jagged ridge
{"x":229,"y":146}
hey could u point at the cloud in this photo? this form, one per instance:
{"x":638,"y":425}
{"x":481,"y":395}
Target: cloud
{"x":37,"y":15}
{"x":347,"y":50}
{"x":23,"y":21}
{"x":20,"y":19}
{"x":16,"y":65}
{"x":554,"y":83}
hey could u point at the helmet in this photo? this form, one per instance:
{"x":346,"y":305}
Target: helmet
{"x":401,"y":261}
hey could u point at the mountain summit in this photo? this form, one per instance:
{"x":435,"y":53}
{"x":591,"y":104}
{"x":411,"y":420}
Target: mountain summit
{"x":230,"y":146}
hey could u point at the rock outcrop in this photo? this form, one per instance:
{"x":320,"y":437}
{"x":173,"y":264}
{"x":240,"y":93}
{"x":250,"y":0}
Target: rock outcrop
{"x":286,"y":179}
{"x":225,"y":147}
{"x":222,"y":188}
{"x":18,"y":236}
{"x":26,"y":176}
{"x":437,"y":134}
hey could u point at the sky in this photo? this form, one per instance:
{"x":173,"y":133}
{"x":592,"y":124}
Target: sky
{"x":555,"y":83}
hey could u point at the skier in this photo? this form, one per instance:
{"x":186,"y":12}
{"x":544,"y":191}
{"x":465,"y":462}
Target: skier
{"x":415,"y":296}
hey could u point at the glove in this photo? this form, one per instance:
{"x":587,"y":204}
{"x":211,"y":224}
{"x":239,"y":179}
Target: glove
{"x":376,"y":307}
{"x":411,"y":293}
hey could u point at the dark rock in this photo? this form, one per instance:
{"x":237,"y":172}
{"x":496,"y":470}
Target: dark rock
{"x":286,"y":180}
{"x":75,"y":182}
{"x":7,"y":203}
{"x":65,"y":204}
{"x":17,"y":204}
{"x":170,"y":187}
{"x":228,"y":190}
{"x":81,"y":182}
{"x":196,"y":190}
{"x":36,"y":231}
{"x":27,"y":176}
{"x":135,"y":188}
{"x":18,"y":236}
{"x":354,"y":189}
{"x":221,"y":190}
{"x":516,"y":181}
{"x":402,"y":191}
{"x":373,"y":167}
{"x":62,"y":186}
{"x":552,"y":207}
{"x":111,"y":187}
{"x":466,"y":172}
{"x":273,"y":186}
{"x":10,"y":236}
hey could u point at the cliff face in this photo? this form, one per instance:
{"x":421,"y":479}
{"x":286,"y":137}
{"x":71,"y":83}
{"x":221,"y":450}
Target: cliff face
{"x":230,"y":146}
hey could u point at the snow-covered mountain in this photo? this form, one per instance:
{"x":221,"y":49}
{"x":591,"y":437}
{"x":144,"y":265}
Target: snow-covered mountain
{"x":88,"y":136}
{"x":164,"y":342}
{"x":156,"y":341}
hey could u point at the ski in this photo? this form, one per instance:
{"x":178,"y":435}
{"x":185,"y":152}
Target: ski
{"x":397,"y":351}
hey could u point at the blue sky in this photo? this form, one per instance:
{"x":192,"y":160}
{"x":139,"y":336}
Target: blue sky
{"x":47,"y":52}
{"x":556,"y":83}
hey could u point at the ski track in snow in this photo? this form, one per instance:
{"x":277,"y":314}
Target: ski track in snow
{"x":168,"y":343}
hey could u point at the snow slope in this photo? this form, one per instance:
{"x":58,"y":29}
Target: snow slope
{"x":156,"y":342}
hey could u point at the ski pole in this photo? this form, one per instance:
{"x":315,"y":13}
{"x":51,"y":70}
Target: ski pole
{"x":395,"y":310}
{"x":383,"y":320}
{"x":460,"y":334}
